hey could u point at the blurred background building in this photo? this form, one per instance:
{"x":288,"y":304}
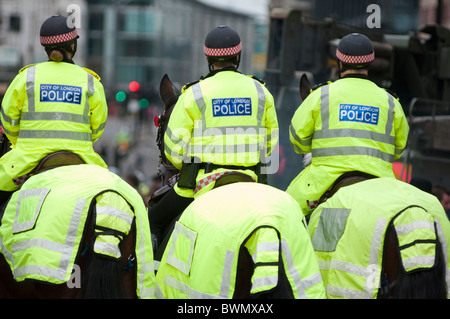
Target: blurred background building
{"x":130,"y":40}
{"x":140,"y":40}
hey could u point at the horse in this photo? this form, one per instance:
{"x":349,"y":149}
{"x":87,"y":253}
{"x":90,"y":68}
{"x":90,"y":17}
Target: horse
{"x":373,"y":241}
{"x":95,"y":272}
{"x":227,"y":231}
{"x":245,"y":266}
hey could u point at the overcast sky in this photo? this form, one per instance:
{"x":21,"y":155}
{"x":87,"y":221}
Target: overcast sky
{"x":258,"y":8}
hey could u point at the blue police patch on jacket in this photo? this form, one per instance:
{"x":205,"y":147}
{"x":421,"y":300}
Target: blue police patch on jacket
{"x":232,"y":106}
{"x":359,"y":113}
{"x":60,"y":93}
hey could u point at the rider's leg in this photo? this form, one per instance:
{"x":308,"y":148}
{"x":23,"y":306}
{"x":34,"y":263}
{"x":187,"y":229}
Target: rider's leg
{"x":165,"y":211}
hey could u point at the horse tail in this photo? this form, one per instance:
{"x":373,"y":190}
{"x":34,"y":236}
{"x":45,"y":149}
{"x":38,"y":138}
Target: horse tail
{"x":113,"y":239}
{"x":426,"y":283}
{"x":104,"y":279}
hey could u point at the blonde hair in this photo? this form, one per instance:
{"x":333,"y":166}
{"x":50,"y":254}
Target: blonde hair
{"x":56,"y":56}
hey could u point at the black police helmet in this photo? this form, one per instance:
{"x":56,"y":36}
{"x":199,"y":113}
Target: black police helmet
{"x":355,"y":50}
{"x":222,"y":42}
{"x":55,"y":32}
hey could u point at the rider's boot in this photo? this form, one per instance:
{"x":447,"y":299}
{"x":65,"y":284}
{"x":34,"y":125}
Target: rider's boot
{"x":155,"y":242}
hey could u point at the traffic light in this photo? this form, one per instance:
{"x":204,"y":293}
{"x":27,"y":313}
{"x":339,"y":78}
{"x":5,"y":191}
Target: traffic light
{"x":144,"y":103}
{"x":133,"y":86}
{"x":121,"y":96}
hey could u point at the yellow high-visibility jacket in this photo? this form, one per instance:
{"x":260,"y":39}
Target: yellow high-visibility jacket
{"x":48,"y":107}
{"x":226,"y":119}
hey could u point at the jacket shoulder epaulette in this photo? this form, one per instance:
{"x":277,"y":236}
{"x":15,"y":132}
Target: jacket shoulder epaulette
{"x":315,"y":87}
{"x":257,"y":79}
{"x":93,"y":73}
{"x":26,"y":67}
{"x":188,"y":85}
{"x":392,"y":93}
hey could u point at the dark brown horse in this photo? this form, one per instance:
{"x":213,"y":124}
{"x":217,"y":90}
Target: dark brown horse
{"x":100,"y":277}
{"x":394,"y":282}
{"x":410,"y":230}
{"x":94,"y":275}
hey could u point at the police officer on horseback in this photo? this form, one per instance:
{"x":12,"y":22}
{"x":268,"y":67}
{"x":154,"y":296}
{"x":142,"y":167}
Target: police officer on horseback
{"x":351,"y":126}
{"x":224,"y":122}
{"x":51,"y":106}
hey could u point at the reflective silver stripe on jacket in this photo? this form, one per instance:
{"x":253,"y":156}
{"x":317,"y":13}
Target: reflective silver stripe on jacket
{"x":64,"y":249}
{"x":31,"y":74}
{"x":78,"y":136}
{"x":32,"y":115}
{"x":444,"y":246}
{"x":7,"y":119}
{"x":301,"y":284}
{"x":405,"y":229}
{"x":20,"y":226}
{"x":115,"y":212}
{"x":261,"y":248}
{"x":145,"y":266}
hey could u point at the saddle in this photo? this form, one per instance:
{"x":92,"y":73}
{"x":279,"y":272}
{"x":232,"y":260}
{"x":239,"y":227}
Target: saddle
{"x":59,"y":158}
{"x":345,"y":179}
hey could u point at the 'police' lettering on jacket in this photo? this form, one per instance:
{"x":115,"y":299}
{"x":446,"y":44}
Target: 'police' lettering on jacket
{"x":359,"y":113}
{"x":232,"y":107}
{"x":60,"y":93}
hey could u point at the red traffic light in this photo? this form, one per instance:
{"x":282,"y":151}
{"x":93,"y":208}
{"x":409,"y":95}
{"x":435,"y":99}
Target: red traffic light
{"x":133,"y":86}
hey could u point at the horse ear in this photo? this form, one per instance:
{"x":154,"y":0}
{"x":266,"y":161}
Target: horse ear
{"x":166,"y":89}
{"x":305,"y":86}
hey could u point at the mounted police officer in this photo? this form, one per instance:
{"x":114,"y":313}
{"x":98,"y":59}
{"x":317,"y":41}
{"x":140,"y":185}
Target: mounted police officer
{"x":223,"y":122}
{"x":351,"y":125}
{"x":51,"y":106}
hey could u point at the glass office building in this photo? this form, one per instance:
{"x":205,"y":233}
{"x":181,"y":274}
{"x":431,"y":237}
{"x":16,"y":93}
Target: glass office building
{"x":142,"y":40}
